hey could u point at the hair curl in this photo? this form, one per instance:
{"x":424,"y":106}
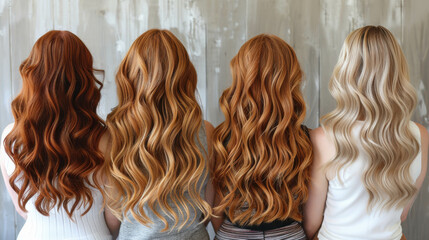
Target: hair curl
{"x":155,"y":156}
{"x":262,"y":154}
{"x":370,"y":83}
{"x":55,"y":139}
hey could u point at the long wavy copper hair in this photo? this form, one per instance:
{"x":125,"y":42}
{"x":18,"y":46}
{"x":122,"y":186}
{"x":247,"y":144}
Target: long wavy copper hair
{"x":262,"y":154}
{"x":55,"y":139}
{"x":156,"y":161}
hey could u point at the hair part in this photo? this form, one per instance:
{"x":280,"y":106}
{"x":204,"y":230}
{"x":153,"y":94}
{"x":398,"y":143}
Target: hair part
{"x":262,"y":154}
{"x":155,"y":157}
{"x":370,"y":83}
{"x":55,"y":139}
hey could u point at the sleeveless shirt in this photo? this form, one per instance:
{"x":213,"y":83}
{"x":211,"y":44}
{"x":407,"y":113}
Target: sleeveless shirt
{"x":58,"y":225}
{"x":131,"y":229}
{"x":346,"y":216}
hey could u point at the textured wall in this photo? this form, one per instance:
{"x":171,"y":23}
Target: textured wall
{"x":213,"y":31}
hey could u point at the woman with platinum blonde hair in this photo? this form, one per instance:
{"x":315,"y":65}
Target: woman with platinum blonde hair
{"x":370,"y":159}
{"x":157,"y":172}
{"x":262,"y":153}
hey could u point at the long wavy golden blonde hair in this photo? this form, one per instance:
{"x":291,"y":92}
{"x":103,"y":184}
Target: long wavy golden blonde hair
{"x":370,"y":83}
{"x":156,"y":159}
{"x":54,"y":143}
{"x":262,"y":154}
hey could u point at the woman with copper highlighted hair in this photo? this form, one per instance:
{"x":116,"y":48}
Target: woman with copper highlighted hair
{"x":52,"y":155}
{"x":370,"y":159}
{"x":262,"y":152}
{"x":158,"y":162}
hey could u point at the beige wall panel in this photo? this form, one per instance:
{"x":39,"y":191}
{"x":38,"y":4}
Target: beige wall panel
{"x":226,"y":32}
{"x":7,"y":215}
{"x":415,"y":43}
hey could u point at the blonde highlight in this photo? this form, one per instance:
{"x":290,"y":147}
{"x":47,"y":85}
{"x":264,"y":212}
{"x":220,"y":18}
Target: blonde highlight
{"x":155,"y":157}
{"x":262,"y":154}
{"x":371,"y":83}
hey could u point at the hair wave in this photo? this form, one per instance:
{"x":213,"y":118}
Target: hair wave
{"x":155,"y":156}
{"x":370,"y":83}
{"x":55,"y":139}
{"x":262,"y":154}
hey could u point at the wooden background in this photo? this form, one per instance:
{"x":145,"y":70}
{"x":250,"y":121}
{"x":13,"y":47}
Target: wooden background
{"x":213,"y":31}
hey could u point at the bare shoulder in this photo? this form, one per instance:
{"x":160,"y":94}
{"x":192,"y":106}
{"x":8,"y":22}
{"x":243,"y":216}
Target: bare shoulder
{"x":317,"y":135}
{"x":7,"y":130}
{"x":208,"y":125}
{"x":319,"y":138}
{"x":424,"y":147}
{"x":209,"y":128}
{"x":323,"y":147}
{"x":105,"y":142}
{"x":423,"y":134}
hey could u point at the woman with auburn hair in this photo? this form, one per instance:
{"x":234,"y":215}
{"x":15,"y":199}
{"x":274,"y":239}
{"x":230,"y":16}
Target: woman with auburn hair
{"x":53,"y":153}
{"x":158,"y":169}
{"x":370,"y":159}
{"x":262,"y":152}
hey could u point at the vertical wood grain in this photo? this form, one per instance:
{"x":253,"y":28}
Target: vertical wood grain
{"x":29,"y":20}
{"x":99,"y":29}
{"x":415,"y":44}
{"x":7,"y":214}
{"x":226,"y":32}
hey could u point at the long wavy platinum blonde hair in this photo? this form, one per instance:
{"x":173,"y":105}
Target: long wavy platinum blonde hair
{"x":370,"y":83}
{"x":262,"y":153}
{"x":156,"y":159}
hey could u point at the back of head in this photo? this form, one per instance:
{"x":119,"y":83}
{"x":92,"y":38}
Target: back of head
{"x":54,"y":142}
{"x":262,"y":154}
{"x":371,"y":83}
{"x":156,"y":154}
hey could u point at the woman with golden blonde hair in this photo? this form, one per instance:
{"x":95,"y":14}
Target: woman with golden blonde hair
{"x":52,"y":156}
{"x":157,"y":173}
{"x":262,"y":152}
{"x":370,"y":159}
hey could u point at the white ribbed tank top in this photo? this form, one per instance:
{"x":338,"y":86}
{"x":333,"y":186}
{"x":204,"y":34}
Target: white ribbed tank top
{"x":58,"y":225}
{"x":346,"y":216}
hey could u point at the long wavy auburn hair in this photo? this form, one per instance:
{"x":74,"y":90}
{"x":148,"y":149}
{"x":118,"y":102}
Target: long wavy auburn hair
{"x":55,"y":139}
{"x":155,"y":156}
{"x":370,"y":83}
{"x":262,"y":155}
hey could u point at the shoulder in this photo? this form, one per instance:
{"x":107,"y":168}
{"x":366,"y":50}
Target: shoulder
{"x":323,"y":147}
{"x":320,"y":139}
{"x":318,"y":135}
{"x":424,"y":135}
{"x":5,"y":160}
{"x":6,"y":131}
{"x":209,"y":128}
{"x":105,"y":142}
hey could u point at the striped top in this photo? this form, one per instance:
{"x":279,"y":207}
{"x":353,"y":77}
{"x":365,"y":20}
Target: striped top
{"x":58,"y":225}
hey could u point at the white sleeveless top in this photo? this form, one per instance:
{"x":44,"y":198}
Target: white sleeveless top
{"x":58,"y":225}
{"x":346,"y":216}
